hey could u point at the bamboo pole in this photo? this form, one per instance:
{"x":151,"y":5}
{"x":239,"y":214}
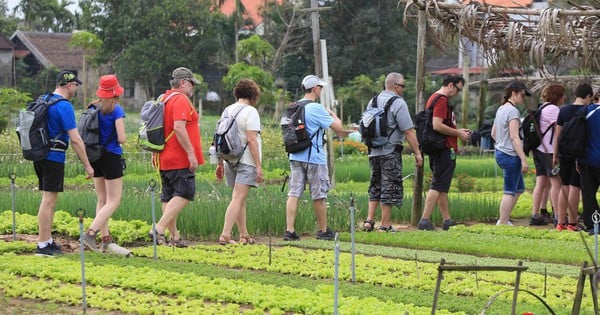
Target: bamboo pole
{"x":417,"y":206}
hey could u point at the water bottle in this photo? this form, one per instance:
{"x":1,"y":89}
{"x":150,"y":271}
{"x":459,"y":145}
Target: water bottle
{"x":555,"y":170}
{"x":452,"y":154}
{"x":212,"y":153}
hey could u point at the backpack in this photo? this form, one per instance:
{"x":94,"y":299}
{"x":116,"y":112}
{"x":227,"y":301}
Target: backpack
{"x":151,"y":136}
{"x":374,"y":124}
{"x":530,"y":132}
{"x":572,"y":141}
{"x":227,"y":142}
{"x":293,"y":128}
{"x":430,"y":141}
{"x":32,"y":128}
{"x":89,"y":129}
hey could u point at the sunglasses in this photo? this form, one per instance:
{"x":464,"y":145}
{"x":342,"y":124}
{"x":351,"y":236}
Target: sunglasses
{"x":191,"y":82}
{"x":457,"y":89}
{"x":400,"y":85}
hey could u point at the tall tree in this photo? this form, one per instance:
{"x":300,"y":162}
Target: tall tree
{"x":46,"y":15}
{"x":146,"y":39}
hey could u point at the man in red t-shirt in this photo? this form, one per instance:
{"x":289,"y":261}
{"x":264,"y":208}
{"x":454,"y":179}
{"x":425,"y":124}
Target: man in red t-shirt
{"x":443,"y":163}
{"x":181,"y":156}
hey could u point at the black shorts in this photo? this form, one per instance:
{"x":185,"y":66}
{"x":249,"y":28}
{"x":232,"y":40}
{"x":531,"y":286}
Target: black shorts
{"x":569,"y":176}
{"x":442,"y":168}
{"x":108,"y":166}
{"x":51,"y":175}
{"x":177,"y":183}
{"x":543,"y":163}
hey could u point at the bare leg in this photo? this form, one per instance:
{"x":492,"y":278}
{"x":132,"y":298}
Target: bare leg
{"x":291,"y":208}
{"x":46,"y":215}
{"x":321,"y":213}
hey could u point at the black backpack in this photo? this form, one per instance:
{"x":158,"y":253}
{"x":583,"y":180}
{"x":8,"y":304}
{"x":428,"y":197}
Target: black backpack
{"x":430,"y":141}
{"x":32,"y":128}
{"x":88,"y":127}
{"x":531,"y":133}
{"x":293,"y":128}
{"x":572,"y":141}
{"x":374,"y":124}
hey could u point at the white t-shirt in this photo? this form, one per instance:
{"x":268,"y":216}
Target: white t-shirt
{"x":247,"y":119}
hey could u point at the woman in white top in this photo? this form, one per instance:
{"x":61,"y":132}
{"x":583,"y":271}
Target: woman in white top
{"x":509,"y":148}
{"x":247,"y":172}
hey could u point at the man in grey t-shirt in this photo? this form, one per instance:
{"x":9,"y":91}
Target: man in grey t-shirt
{"x":385,"y":186}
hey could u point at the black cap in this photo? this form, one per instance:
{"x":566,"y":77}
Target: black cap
{"x":67,"y":76}
{"x":518,"y":86}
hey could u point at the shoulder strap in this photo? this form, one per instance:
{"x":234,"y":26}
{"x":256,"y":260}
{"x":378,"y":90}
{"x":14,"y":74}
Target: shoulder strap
{"x":390,"y":102}
{"x":169,"y":97}
{"x":592,"y":112}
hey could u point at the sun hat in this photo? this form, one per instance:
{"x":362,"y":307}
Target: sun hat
{"x":109,"y":87}
{"x":184,"y":73}
{"x":67,"y":76}
{"x":518,"y":86}
{"x":310,"y":81}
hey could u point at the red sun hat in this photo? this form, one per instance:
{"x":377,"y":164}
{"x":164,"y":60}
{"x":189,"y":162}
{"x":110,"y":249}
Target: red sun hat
{"x":109,"y":87}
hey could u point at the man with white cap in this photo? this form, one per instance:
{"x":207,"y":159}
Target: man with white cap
{"x":310,"y":166}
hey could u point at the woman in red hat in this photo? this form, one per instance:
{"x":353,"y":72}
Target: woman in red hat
{"x":108,"y":171}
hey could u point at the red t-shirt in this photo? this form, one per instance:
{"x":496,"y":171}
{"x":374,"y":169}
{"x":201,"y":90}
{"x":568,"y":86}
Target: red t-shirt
{"x":174,"y":156}
{"x":443,"y":111}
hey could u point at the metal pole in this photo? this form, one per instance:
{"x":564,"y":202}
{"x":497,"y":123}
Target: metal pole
{"x":12,"y":178}
{"x":352,"y":230}
{"x":152,"y":187}
{"x":336,"y":267}
{"x":596,"y":220}
{"x":81,"y":213}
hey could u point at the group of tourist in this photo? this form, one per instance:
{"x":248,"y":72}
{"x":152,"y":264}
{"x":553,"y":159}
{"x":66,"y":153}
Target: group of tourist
{"x":183,"y":154}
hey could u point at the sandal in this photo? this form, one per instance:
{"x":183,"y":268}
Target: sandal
{"x":385,"y":229}
{"x":246,"y":239}
{"x":179,"y":243}
{"x":224,"y":240}
{"x":371,"y":226}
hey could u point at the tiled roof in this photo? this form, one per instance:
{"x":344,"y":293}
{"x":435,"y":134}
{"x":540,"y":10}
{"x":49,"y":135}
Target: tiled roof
{"x":504,"y":3}
{"x":50,"y":48}
{"x":252,"y":9}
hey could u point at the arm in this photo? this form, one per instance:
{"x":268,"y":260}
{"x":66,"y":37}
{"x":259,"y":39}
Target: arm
{"x":557,"y":131}
{"x":120,"y":127}
{"x":439,"y":126}
{"x":336,"y":126}
{"x":513,"y":130}
{"x":184,"y":141}
{"x":493,"y":132}
{"x":254,"y":151}
{"x":79,"y":148}
{"x":411,"y":137}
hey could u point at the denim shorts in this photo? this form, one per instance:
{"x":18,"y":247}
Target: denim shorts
{"x":315,"y":175}
{"x":511,"y":167}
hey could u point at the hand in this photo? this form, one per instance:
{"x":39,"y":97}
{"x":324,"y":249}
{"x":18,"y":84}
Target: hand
{"x":219,"y":172}
{"x":524,"y":167}
{"x":465,"y":134}
{"x":193,"y":162}
{"x":419,"y":160}
{"x":259,"y":175}
{"x":89,"y":170}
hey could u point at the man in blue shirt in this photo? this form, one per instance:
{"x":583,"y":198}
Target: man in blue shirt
{"x":310,"y":166}
{"x":589,"y":165}
{"x":51,"y":171}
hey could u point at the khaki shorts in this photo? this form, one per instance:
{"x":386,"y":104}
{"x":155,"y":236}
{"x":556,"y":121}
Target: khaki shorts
{"x":315,"y":175}
{"x":240,"y":173}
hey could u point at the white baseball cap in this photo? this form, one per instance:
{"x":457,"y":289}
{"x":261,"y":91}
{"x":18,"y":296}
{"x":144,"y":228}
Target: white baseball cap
{"x":310,"y":81}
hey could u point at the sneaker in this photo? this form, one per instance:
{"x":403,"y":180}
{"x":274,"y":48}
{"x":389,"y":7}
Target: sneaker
{"x":52,"y":250}
{"x":447,"y":224}
{"x":572,"y":227}
{"x":328,"y":235}
{"x":160,"y":238}
{"x":291,"y":236}
{"x":385,"y":229}
{"x":547,"y":216}
{"x":425,"y":226}
{"x":537,"y":220}
{"x":509,"y":223}
{"x":561,"y":227}
{"x":90,"y":241}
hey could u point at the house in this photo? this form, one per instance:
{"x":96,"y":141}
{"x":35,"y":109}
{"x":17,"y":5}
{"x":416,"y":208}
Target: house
{"x":6,"y":61}
{"x":41,"y":50}
{"x":252,"y":12}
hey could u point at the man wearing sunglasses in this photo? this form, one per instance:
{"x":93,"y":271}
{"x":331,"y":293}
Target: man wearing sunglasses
{"x":443,"y":163}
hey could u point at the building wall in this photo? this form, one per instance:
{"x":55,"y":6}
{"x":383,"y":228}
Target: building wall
{"x":6,"y":68}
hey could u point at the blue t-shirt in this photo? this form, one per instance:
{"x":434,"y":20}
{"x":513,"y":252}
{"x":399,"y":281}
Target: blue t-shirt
{"x":108,"y":131}
{"x":592,"y":155}
{"x":61,"y":119}
{"x":317,"y":121}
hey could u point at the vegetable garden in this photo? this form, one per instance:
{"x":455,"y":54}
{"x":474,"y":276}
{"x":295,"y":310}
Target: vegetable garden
{"x":395,"y":273}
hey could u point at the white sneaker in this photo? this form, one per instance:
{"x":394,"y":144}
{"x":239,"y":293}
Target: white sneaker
{"x":507,"y":223}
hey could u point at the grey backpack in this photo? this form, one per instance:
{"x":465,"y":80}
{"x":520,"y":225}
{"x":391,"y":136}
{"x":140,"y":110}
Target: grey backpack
{"x":151,"y":136}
